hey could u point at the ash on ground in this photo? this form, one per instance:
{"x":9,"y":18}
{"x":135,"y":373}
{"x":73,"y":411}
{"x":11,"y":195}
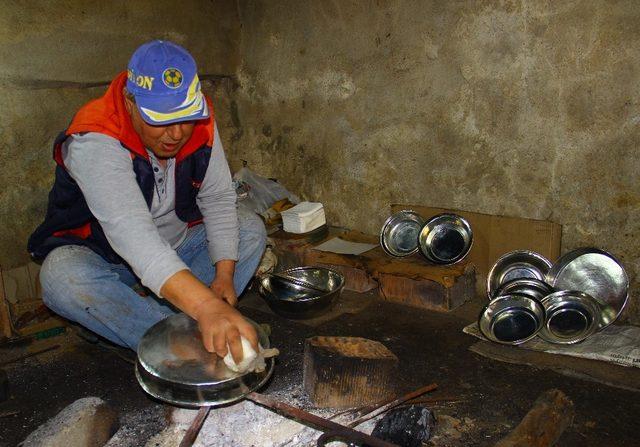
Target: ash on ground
{"x":137,"y":427}
{"x":246,"y":424}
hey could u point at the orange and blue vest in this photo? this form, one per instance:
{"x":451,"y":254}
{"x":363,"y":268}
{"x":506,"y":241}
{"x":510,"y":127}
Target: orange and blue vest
{"x":68,"y":219}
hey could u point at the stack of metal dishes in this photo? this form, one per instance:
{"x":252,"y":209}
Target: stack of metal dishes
{"x":443,"y":239}
{"x":565,"y":302}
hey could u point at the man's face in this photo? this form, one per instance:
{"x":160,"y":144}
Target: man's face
{"x":163,"y":141}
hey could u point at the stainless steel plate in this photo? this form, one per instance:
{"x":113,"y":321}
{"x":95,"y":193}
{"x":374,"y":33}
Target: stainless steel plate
{"x":399,"y":234}
{"x":173,"y":366}
{"x":572,"y":316}
{"x":596,"y":273}
{"x":531,"y":287}
{"x":514,"y":265}
{"x":445,"y":239}
{"x":511,"y":319}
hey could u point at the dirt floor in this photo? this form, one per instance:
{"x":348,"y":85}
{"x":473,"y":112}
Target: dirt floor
{"x":477,"y":402}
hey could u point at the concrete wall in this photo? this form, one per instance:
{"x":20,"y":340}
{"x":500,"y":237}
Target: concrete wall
{"x":522,"y":108}
{"x":52,"y":52}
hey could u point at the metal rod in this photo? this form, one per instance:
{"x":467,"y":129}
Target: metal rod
{"x":325,"y":425}
{"x":299,"y":282}
{"x":387,"y":406}
{"x":193,"y":430}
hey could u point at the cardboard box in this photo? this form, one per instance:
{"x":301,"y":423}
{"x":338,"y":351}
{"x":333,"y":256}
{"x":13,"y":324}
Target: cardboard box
{"x":21,"y":309}
{"x":494,"y":236}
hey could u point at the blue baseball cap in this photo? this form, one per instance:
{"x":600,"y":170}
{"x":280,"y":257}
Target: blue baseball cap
{"x":163,"y":78}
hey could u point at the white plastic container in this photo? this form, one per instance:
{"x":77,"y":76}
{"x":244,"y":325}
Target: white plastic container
{"x":304,"y":217}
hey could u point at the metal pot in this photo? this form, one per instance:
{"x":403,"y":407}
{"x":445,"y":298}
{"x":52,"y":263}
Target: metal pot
{"x":294,"y":300}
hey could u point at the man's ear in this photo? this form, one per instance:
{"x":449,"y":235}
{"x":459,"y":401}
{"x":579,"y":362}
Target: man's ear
{"x":128,"y":104}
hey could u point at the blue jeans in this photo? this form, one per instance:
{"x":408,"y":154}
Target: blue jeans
{"x":81,"y":286}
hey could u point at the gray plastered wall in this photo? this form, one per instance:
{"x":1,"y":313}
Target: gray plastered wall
{"x":57,"y":55}
{"x":521,"y":108}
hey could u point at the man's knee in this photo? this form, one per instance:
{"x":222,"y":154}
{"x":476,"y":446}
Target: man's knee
{"x":66,"y":267}
{"x":55,"y":268}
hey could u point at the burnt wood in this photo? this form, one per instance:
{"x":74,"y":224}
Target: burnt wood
{"x":543,"y":425}
{"x":342,"y":372}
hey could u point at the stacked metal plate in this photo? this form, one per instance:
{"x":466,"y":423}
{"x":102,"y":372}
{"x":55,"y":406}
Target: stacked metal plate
{"x":583,"y":292}
{"x":596,"y":273}
{"x":443,"y":239}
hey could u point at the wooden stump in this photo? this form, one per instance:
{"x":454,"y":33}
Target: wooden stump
{"x":341,"y":372}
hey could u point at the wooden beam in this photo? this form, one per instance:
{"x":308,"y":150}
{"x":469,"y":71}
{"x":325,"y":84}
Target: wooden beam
{"x":5,"y":316}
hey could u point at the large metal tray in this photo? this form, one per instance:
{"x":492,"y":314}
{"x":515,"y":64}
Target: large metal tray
{"x":596,"y":273}
{"x":173,"y":366}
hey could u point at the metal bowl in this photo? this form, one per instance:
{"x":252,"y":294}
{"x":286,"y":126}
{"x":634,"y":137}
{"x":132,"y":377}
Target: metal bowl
{"x":445,"y":239}
{"x":511,"y":319}
{"x":173,"y":366}
{"x":596,"y":273}
{"x":531,"y":287}
{"x":572,"y":316}
{"x":514,"y":265}
{"x":296,"y":301}
{"x":399,"y":234}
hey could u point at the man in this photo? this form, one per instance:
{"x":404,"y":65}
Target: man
{"x":143,"y":194}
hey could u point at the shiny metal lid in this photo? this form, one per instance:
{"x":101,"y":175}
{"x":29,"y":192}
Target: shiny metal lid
{"x":596,"y":273}
{"x":173,"y":366}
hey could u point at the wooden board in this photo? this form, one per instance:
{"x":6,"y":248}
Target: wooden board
{"x":5,"y":318}
{"x":609,"y":374}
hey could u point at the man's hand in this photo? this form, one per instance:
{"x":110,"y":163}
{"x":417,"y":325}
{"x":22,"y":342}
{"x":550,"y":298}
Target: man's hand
{"x":222,"y":325}
{"x":219,"y":323}
{"x":222,"y":284}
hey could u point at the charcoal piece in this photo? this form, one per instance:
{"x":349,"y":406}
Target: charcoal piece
{"x":407,"y":426}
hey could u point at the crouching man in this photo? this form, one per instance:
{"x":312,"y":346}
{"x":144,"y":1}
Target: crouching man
{"x":143,"y":195}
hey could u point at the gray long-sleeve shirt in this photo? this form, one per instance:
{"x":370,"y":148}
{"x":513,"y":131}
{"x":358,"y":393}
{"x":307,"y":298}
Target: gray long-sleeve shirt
{"x":147,"y":238}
